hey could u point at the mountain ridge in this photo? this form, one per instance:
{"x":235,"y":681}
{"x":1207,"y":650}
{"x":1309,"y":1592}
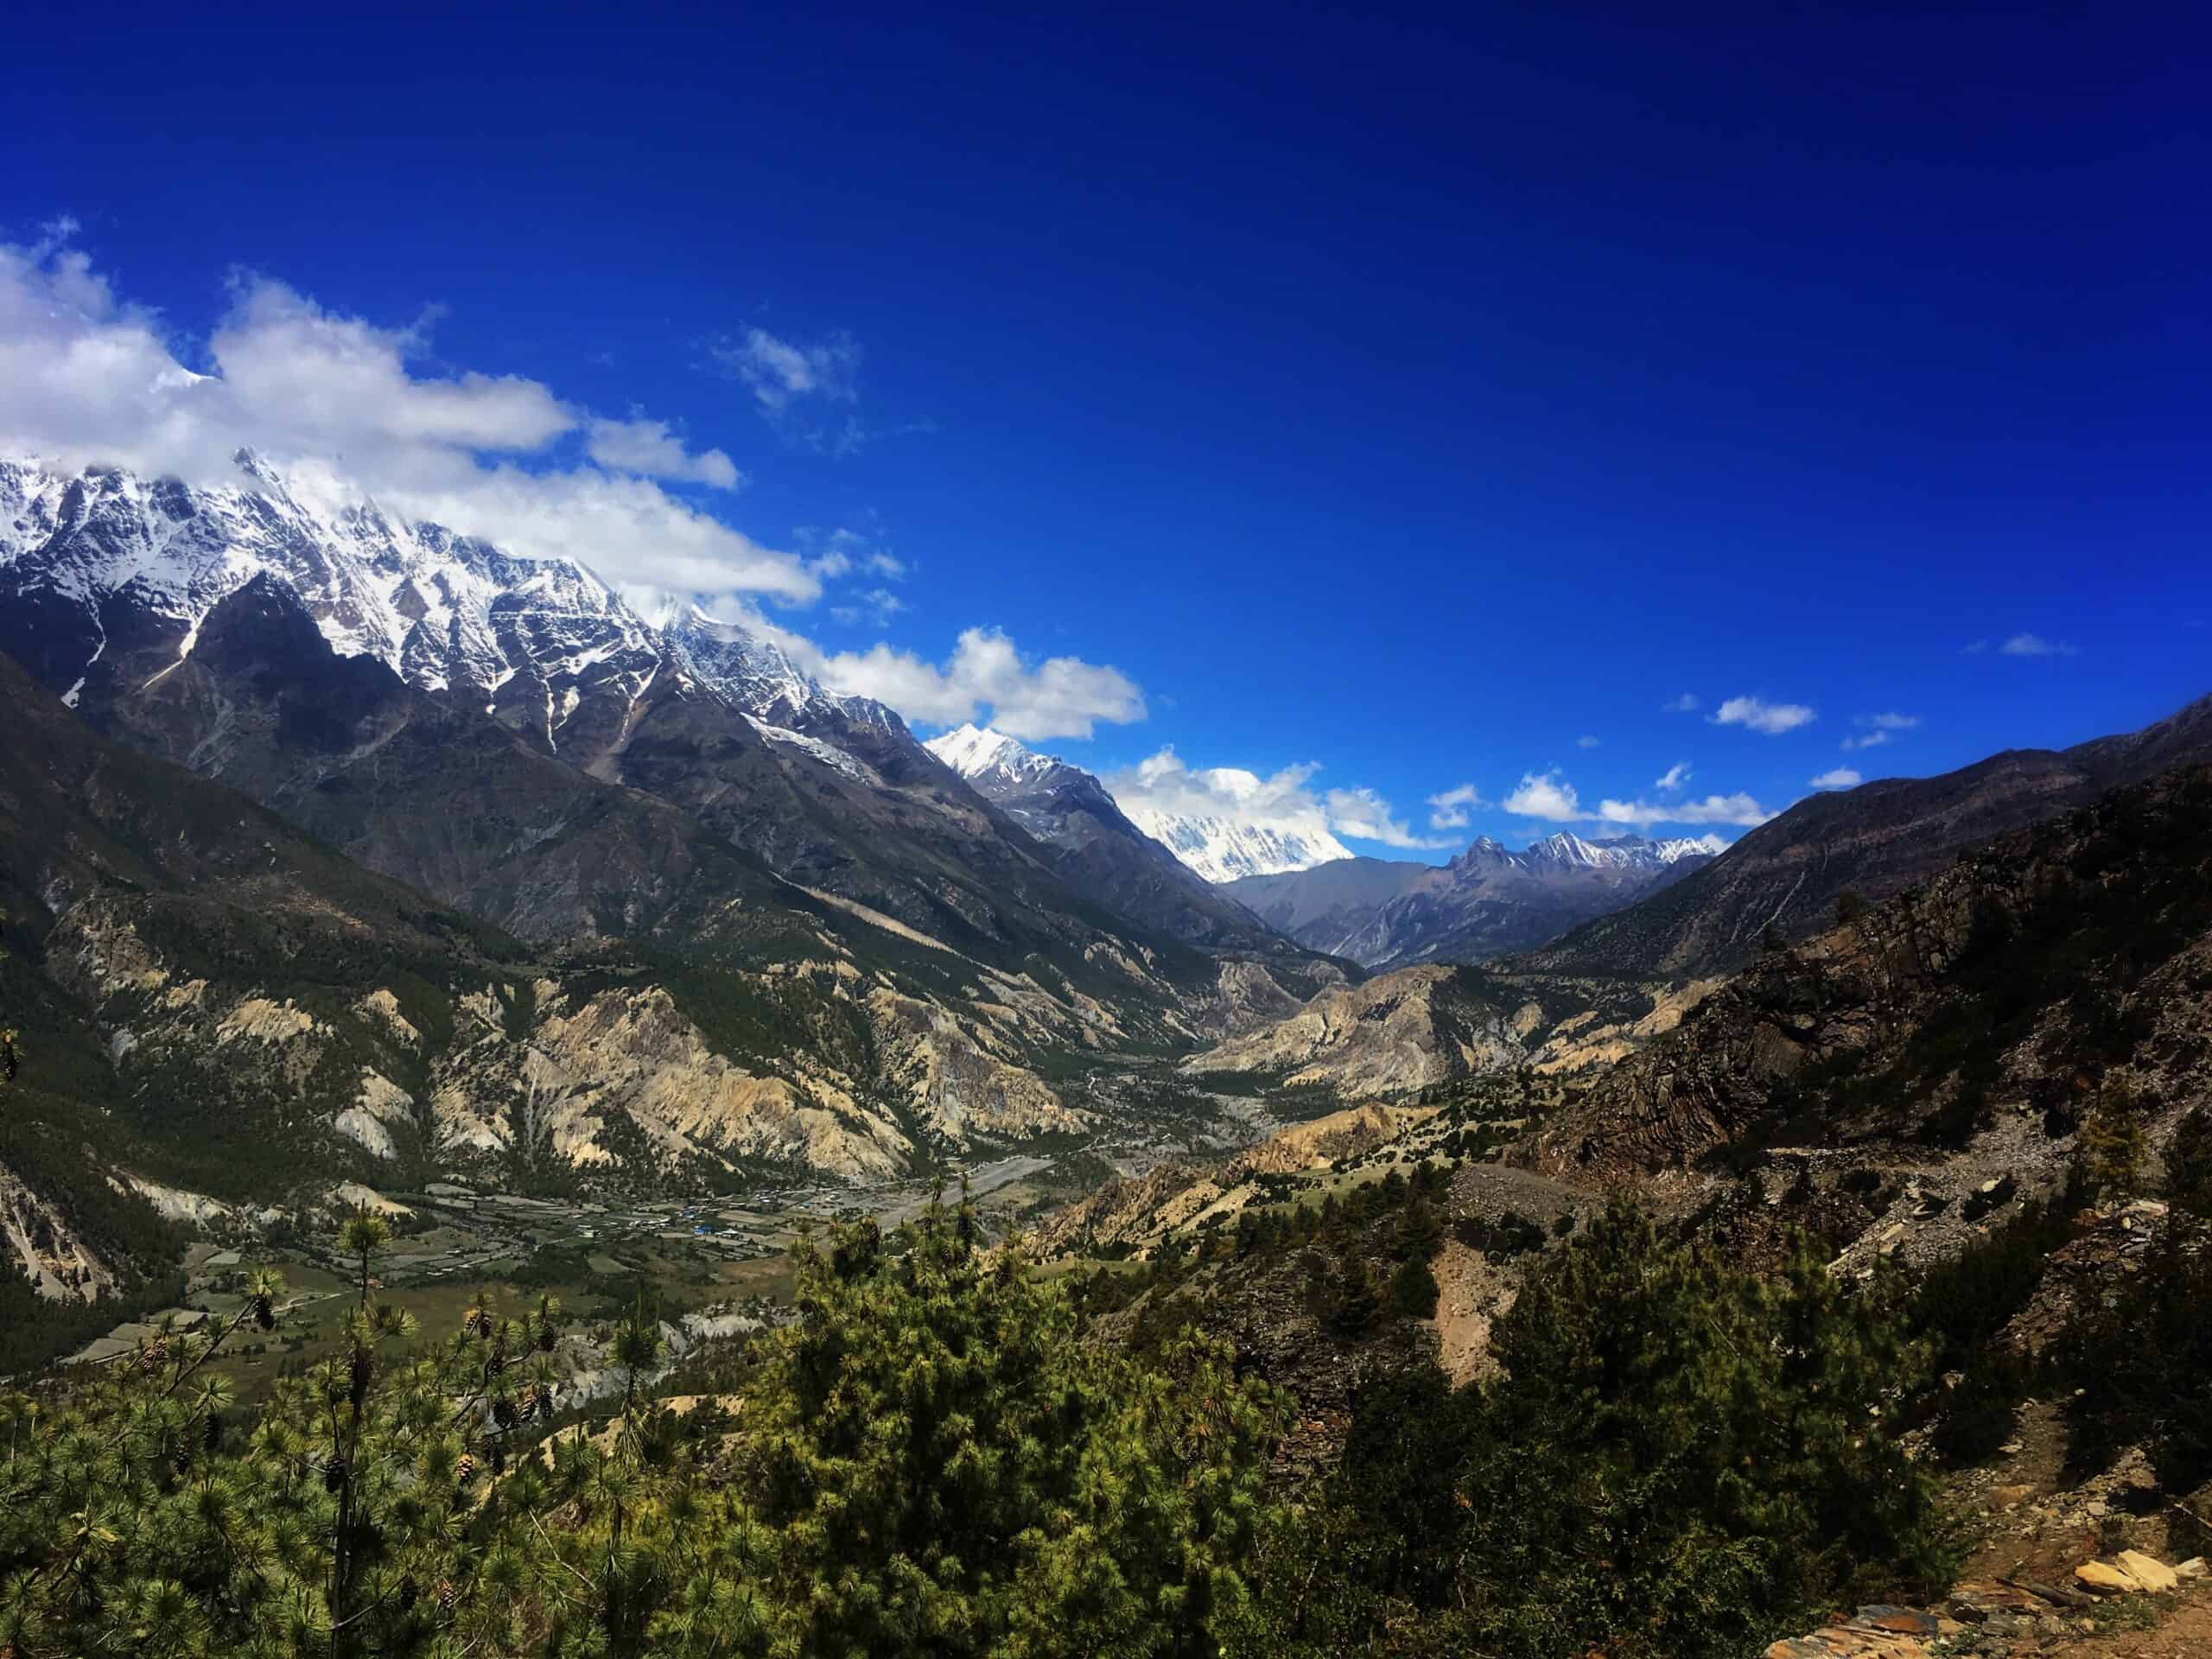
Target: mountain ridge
{"x":1488,"y":902}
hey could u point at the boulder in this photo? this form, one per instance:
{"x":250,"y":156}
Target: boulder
{"x":2110,"y":1579}
{"x":2148,"y":1570}
{"x":2191,"y":1568}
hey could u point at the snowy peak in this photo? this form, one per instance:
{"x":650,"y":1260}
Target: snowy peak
{"x":985,"y":757}
{"x":531,"y":640}
{"x":1221,"y":850}
{"x":1565,"y":851}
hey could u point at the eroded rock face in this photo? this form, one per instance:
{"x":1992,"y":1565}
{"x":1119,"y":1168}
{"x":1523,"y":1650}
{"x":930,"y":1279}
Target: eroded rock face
{"x":38,"y":1242}
{"x":1391,"y":1035}
{"x":1137,"y":1214}
{"x":2051,"y":959}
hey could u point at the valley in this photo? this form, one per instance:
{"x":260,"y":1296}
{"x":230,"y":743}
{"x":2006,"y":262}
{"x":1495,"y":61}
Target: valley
{"x":474,"y":953}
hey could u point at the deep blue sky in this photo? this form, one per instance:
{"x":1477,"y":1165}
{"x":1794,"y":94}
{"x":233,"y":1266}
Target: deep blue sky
{"x":1412,"y":396}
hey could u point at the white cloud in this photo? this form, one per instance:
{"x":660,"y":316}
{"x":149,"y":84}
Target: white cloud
{"x":1550,"y":796}
{"x":1673,"y":778}
{"x":797,"y":385}
{"x":648,"y":447}
{"x":1878,"y":730}
{"x":1587,"y":742}
{"x":985,"y":679}
{"x":877,"y":606}
{"x":1364,"y":815}
{"x":1738,"y":809}
{"x":341,"y":405}
{"x":1685,"y":704}
{"x":2034,"y":645}
{"x":1163,"y":785}
{"x":1546,"y":795}
{"x":1838,"y":778}
{"x":778,"y":371}
{"x":1760,"y":715}
{"x":1450,"y":810}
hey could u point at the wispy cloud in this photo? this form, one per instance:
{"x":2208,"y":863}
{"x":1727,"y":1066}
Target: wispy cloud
{"x":1685,"y":704}
{"x":1451,"y":809}
{"x":1837,"y":778}
{"x":1586,"y":741}
{"x":1878,"y":730}
{"x":803,"y":389}
{"x":1759,"y":715}
{"x":1364,"y":815}
{"x":876,"y":606}
{"x":1548,"y":796}
{"x":1673,"y":778}
{"x":2034,"y":645}
{"x":1737,"y":809}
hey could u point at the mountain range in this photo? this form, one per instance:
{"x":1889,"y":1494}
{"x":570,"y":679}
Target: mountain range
{"x":338,"y":845}
{"x":1486,"y":902}
{"x":1782,"y":881}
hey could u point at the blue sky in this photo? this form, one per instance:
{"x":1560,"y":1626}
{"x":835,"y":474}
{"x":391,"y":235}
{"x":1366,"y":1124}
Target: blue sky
{"x":1409,"y":398}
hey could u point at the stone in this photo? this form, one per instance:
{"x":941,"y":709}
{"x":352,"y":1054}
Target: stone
{"x":2191,"y":1568}
{"x":1902,"y":1621}
{"x":2007,"y":1497}
{"x":2148,"y":1570}
{"x":2110,"y":1579}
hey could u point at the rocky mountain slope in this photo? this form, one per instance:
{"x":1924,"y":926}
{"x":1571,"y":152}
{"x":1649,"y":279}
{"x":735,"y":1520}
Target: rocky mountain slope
{"x":1991,"y":1007}
{"x":1092,"y":842}
{"x":1487,"y":902}
{"x":1874,"y":840}
{"x":1417,"y":1028}
{"x":451,"y":716}
{"x":242,"y":1010}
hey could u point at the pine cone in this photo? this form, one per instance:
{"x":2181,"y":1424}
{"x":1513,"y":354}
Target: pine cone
{"x":334,"y":1473}
{"x":504,"y":1413}
{"x":211,"y":1432}
{"x":465,"y":1471}
{"x":448,"y":1593}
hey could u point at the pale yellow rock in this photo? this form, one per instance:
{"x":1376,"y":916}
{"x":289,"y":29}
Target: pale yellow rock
{"x":2098,"y":1576}
{"x":2191,"y":1568}
{"x":2148,"y":1570}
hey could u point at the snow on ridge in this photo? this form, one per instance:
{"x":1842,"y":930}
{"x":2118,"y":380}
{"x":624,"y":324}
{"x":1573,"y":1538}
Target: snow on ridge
{"x":1221,"y":850}
{"x":977,"y":752}
{"x":446,"y":612}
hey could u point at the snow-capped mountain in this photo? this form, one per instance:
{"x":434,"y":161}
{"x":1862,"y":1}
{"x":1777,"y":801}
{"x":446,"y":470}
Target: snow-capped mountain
{"x":86,"y":557}
{"x":1487,"y":901}
{"x":1096,"y":844}
{"x":1567,"y":851}
{"x":1222,"y":851}
{"x":985,"y":757}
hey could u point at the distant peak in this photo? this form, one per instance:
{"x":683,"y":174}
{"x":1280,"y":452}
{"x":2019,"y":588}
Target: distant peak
{"x":973,"y":751}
